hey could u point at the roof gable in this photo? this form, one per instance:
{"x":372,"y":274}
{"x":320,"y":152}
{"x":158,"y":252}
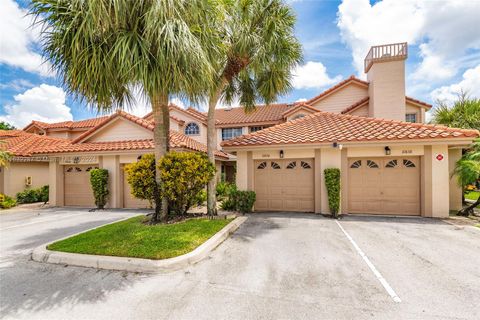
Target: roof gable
{"x":300,"y":107}
{"x":352,"y":80}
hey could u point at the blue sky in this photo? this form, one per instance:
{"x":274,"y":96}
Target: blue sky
{"x":444,"y":53}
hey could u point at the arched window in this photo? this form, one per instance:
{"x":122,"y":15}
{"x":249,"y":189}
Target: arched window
{"x":192,"y":129}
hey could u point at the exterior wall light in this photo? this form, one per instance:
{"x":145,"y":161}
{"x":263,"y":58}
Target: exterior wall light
{"x":388,"y":151}
{"x":335,"y":144}
{"x":281,"y":154}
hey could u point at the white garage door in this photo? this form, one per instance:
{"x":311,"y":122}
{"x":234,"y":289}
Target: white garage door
{"x":384,"y":186}
{"x":284,"y":185}
{"x":78,"y":191}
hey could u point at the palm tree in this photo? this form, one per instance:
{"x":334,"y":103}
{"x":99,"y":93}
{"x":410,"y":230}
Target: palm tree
{"x":465,"y":113}
{"x":104,"y":49}
{"x":467,"y":171}
{"x":258,"y":52}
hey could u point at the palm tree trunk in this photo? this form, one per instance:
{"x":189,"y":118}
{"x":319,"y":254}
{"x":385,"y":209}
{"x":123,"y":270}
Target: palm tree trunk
{"x":212,"y":146}
{"x":161,"y":118}
{"x":469,"y":209}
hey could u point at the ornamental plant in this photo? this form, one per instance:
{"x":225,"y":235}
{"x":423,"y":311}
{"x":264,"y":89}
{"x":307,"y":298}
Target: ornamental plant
{"x":184,"y":175}
{"x":33,"y":195}
{"x":332,"y":182}
{"x":99,"y":182}
{"x":141,"y":178}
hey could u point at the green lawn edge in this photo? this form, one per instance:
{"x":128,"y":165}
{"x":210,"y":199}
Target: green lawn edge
{"x":135,"y":239}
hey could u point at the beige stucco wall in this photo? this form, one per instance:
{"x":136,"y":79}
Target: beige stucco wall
{"x":435,"y":182}
{"x":14,"y":176}
{"x":401,"y":150}
{"x":420,"y":112}
{"x":115,"y":183}
{"x":343,"y":98}
{"x":56,"y":181}
{"x":121,"y":129}
{"x":360,"y":112}
{"x":58,"y":134}
{"x":455,"y":190}
{"x":387,"y":90}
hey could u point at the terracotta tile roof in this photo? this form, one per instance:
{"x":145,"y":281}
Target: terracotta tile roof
{"x":356,"y":105}
{"x":262,"y":113}
{"x":87,"y":123}
{"x":326,"y":127}
{"x":24,"y":144}
{"x":177,"y":141}
{"x":297,"y":107}
{"x":351,"y":79}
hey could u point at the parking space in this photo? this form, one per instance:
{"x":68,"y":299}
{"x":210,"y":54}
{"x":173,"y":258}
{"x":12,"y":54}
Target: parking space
{"x":286,"y":266}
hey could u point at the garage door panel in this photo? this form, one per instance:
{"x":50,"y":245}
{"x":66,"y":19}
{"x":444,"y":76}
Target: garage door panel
{"x":284,"y":185}
{"x":77,"y":188}
{"x":384,"y":186}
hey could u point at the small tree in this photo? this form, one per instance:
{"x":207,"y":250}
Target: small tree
{"x":184,"y":175}
{"x":332,"y":182}
{"x":141,"y":178}
{"x":6,"y":126}
{"x":467,"y":171}
{"x":99,"y":182}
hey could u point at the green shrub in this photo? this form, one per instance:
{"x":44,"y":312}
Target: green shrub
{"x":332,"y":182}
{"x":99,"y":182}
{"x":7,"y":202}
{"x":184,"y":175}
{"x":200,"y":198}
{"x":33,"y":195}
{"x":141,"y":178}
{"x":27,"y":196}
{"x":236,"y":200}
{"x":245,"y":201}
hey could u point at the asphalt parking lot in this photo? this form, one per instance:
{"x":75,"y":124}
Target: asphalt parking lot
{"x":282,"y":266}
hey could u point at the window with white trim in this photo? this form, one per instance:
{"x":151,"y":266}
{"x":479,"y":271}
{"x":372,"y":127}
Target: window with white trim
{"x":192,"y":129}
{"x":256,"y":128}
{"x":230,"y":133}
{"x":411,"y":117}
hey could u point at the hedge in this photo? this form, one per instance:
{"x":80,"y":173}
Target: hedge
{"x":332,"y":182}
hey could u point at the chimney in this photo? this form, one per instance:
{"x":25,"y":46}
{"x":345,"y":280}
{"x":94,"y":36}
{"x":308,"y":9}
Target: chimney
{"x":385,"y":69}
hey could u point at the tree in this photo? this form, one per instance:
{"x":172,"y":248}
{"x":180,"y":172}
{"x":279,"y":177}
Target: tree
{"x":467,"y":171}
{"x":104,"y":49}
{"x":6,"y":126}
{"x":254,"y":62}
{"x":184,"y":176}
{"x":465,"y":113}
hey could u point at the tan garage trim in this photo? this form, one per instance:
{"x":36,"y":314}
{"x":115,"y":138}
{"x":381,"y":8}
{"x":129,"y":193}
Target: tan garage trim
{"x":384,"y":185}
{"x":284,"y":185}
{"x":78,"y":191}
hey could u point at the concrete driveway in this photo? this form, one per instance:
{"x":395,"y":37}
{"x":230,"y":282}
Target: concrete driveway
{"x":283,"y":266}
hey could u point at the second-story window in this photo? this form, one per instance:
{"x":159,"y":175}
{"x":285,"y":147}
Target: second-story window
{"x":229,"y":133}
{"x":411,"y":117}
{"x":192,"y":129}
{"x":298,"y":116}
{"x":256,"y":128}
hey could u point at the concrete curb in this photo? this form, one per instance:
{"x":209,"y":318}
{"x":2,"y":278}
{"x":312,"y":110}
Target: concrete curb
{"x":42,"y":254}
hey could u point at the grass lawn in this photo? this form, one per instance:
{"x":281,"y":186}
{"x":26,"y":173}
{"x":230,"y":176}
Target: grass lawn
{"x":133,"y":238}
{"x":472,"y":195}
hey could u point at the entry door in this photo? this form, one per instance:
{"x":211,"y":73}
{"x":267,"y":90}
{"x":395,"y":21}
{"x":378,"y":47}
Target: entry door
{"x":284,"y":185}
{"x":384,"y":186}
{"x":77,"y":188}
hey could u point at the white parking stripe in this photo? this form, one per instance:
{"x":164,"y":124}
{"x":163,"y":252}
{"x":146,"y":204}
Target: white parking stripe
{"x":377,"y":274}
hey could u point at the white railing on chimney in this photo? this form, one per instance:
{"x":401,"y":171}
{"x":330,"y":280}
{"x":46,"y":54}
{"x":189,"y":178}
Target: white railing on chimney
{"x":386,"y":52}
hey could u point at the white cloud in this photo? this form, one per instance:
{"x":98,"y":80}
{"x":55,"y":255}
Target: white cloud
{"x":302,"y":100}
{"x":312,"y":75}
{"x":444,"y":31}
{"x":17,"y":85}
{"x":18,"y":39}
{"x":469,"y":84}
{"x":43,"y":103}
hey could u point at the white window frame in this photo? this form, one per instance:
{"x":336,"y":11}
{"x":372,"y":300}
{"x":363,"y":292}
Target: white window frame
{"x":192,"y":133}
{"x":415,"y":115}
{"x":230,"y":133}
